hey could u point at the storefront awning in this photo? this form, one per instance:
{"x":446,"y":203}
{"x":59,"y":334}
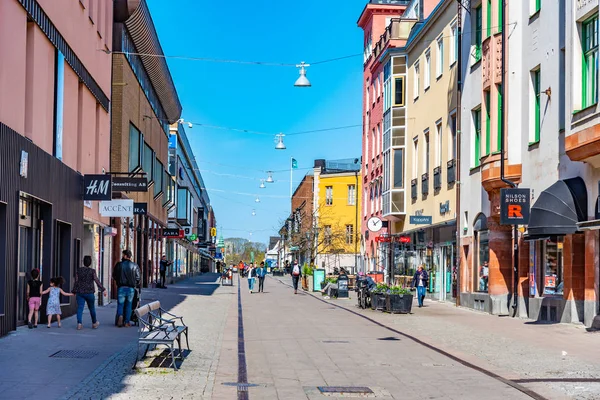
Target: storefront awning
{"x":558,"y":210}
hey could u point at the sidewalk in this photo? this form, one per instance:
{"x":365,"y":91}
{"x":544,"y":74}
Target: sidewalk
{"x":551,"y":359}
{"x":28,"y":370}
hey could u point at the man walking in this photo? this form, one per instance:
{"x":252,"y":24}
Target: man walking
{"x":420,"y":281}
{"x":164,"y":264}
{"x":261,"y":272}
{"x":127,"y":277}
{"x":296,"y":275}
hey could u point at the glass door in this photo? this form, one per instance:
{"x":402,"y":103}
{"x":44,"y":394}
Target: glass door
{"x":24,"y":267}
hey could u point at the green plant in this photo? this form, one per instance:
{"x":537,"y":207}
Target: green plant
{"x":399,"y":290}
{"x":331,"y":279}
{"x":307,"y":270}
{"x":381,"y":288}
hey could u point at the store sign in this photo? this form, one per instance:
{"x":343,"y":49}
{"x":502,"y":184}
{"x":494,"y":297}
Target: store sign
{"x":515,"y":206}
{"x":127,"y":184}
{"x":192,"y":237}
{"x":421,"y":219}
{"x":213,"y":232}
{"x":24,"y":164}
{"x":172,"y":233}
{"x":445,"y":207}
{"x":383,"y":239}
{"x":140,"y":208}
{"x":116,"y":208}
{"x":187,"y":230}
{"x":97,"y":187}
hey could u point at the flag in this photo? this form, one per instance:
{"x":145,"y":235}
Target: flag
{"x":294,"y":163}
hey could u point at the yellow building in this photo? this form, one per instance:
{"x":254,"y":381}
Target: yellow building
{"x":337,"y":188}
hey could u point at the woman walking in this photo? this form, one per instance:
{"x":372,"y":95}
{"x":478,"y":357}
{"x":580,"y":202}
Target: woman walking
{"x":251,"y":277}
{"x":84,"y":288}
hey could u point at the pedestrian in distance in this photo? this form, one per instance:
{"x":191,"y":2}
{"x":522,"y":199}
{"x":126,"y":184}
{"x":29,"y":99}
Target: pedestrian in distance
{"x":296,"y":273}
{"x":420,"y":281}
{"x":261,"y":273}
{"x":85,"y":278}
{"x":127,"y":277}
{"x":53,"y":305}
{"x":34,"y":298}
{"x":164,"y":265}
{"x":251,"y":277}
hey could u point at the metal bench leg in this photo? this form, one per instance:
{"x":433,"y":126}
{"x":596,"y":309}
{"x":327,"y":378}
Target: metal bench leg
{"x":173,"y":357}
{"x":187,"y":342}
{"x":146,"y":351}
{"x":179,"y":344}
{"x":137,"y":354}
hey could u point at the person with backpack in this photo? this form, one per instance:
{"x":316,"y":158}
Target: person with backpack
{"x":296,"y":273}
{"x":420,"y":281}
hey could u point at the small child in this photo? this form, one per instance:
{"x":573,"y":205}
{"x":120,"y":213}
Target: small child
{"x":53,"y":306}
{"x":34,"y":298}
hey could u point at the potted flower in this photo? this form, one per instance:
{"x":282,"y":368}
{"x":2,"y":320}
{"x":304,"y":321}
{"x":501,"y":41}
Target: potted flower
{"x":378,"y":296}
{"x":307,"y":277}
{"x":398,"y":300}
{"x":330,"y":279}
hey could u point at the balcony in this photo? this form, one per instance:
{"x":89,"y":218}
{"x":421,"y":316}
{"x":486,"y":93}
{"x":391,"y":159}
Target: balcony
{"x":437,"y":178}
{"x":451,"y":171}
{"x":396,"y":34}
{"x":413,"y":189}
{"x":491,"y":50}
{"x":425,"y":184}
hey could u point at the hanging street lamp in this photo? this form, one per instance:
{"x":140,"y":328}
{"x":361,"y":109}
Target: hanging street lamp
{"x":302,"y":81}
{"x":279,"y":140}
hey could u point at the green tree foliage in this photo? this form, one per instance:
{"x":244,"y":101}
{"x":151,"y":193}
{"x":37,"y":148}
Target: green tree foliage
{"x":239,"y":249}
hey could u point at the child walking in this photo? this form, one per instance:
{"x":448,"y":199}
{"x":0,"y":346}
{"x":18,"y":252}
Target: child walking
{"x":34,"y":298}
{"x":53,"y":306}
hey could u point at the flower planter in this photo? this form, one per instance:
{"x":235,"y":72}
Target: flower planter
{"x":309,"y":283}
{"x":378,"y":301}
{"x":304,"y":282}
{"x":398,"y":303}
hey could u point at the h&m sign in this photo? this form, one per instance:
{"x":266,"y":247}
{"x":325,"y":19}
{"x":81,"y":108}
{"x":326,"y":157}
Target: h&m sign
{"x":515,"y":206}
{"x":97,"y":187}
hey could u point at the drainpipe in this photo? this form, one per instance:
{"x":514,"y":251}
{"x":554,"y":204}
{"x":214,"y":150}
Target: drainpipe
{"x":502,"y":150}
{"x":458,"y":145}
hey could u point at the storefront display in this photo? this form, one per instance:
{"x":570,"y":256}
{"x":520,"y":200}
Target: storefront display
{"x":553,"y":266}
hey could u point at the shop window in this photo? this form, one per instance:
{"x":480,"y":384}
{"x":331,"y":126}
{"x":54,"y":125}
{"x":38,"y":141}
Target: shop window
{"x":148,"y":162}
{"x":399,"y":91}
{"x":481,"y":267}
{"x":135,"y":152}
{"x":553,"y":272}
{"x":158,"y":175}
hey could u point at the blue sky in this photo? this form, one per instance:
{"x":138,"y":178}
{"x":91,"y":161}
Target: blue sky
{"x":262,"y":98}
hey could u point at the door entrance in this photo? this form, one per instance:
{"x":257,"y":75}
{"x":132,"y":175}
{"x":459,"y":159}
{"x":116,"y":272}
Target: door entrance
{"x":446,"y":272}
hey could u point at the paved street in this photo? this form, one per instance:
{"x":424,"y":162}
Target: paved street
{"x":296,"y":343}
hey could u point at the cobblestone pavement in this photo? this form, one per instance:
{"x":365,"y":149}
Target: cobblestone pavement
{"x":554,"y":360}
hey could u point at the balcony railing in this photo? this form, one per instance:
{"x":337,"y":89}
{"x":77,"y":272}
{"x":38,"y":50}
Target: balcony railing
{"x":451,"y":171}
{"x":413,"y":188}
{"x":437,"y":178}
{"x":425,"y":184}
{"x":398,"y":29}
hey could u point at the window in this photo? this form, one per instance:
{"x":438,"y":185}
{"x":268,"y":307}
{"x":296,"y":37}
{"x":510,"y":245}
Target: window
{"x":415,"y":173}
{"x":59,"y":94}
{"x":535,"y":106}
{"x":534,"y":6}
{"x":351,"y":195}
{"x":378,"y":86}
{"x":378,"y":139}
{"x":398,"y":169}
{"x":427,"y":76}
{"x":452,"y":137}
{"x":368,"y":92}
{"x":349,"y":234}
{"x":476,"y":26}
{"x":500,"y":116}
{"x":374,"y":144}
{"x":416,"y":82}
{"x":426,"y":158}
{"x":440,"y":57}
{"x":438,"y":147}
{"x":590,"y":62}
{"x":328,"y":195}
{"x":327,"y":240}
{"x":488,"y":28}
{"x":453,"y":53}
{"x":399,"y":91}
{"x":477,"y":138}
{"x":500,"y":16}
{"x":135,"y":138}
{"x":158,"y":174}
{"x":482,"y":259}
{"x":553,"y":272}
{"x":148,"y":161}
{"x":488,"y":124}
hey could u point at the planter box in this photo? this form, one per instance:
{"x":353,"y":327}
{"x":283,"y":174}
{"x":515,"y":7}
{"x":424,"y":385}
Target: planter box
{"x":309,"y":283}
{"x":398,"y":303}
{"x":378,"y":301}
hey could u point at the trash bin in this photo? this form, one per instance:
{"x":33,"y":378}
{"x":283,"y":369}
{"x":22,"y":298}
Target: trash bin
{"x":342,"y":286}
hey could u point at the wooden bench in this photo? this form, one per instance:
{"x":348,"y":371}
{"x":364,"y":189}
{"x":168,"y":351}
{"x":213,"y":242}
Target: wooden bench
{"x":159,"y":327}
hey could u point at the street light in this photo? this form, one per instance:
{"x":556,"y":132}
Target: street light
{"x":302,"y":81}
{"x":270,"y":177}
{"x":253,"y":213}
{"x":262,"y":184}
{"x":279,"y":140}
{"x":257,"y":199}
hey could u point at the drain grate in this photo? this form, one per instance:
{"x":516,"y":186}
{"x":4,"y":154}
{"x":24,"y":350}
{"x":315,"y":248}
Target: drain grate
{"x":74,"y":354}
{"x":345,"y":389}
{"x":241,"y":387}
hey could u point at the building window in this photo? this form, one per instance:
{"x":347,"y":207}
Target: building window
{"x":416,"y":82}
{"x":378,"y":86}
{"x":438,"y":147}
{"x":553,"y":266}
{"x":426,"y":158}
{"x":476,"y":26}
{"x":590,"y":62}
{"x":477,"y":139}
{"x":534,"y":6}
{"x":452,"y":147}
{"x":328,"y":195}
{"x":500,"y":16}
{"x":415,"y":158}
{"x":148,"y":162}
{"x":158,"y":174}
{"x":488,"y":124}
{"x":327,"y":240}
{"x":488,"y":28}
{"x":500,"y":117}
{"x":135,"y":138}
{"x":481,"y":263}
{"x":398,"y":169}
{"x":439,"y":63}
{"x":59,"y":95}
{"x":349,"y":234}
{"x":368,"y":91}
{"x":399,"y":91}
{"x":427,"y":76}
{"x":351,"y":195}
{"x":453,"y":53}
{"x":535,"y":106}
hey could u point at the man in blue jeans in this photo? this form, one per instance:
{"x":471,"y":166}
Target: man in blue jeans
{"x":420,"y":281}
{"x":127,"y":277}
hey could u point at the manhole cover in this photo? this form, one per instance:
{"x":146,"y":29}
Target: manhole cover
{"x":345,"y":389}
{"x":241,"y":387}
{"x":335,"y":341}
{"x":74,"y":354}
{"x":388,"y":338}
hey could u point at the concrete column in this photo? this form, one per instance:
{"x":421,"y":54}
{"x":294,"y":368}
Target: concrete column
{"x":500,"y":265}
{"x":523,"y":287}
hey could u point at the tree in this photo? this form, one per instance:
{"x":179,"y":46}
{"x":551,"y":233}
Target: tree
{"x":239,"y":249}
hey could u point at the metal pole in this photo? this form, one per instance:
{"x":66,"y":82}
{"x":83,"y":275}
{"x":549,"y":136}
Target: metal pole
{"x":291,"y":177}
{"x":356,"y":223}
{"x":457,"y":164}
